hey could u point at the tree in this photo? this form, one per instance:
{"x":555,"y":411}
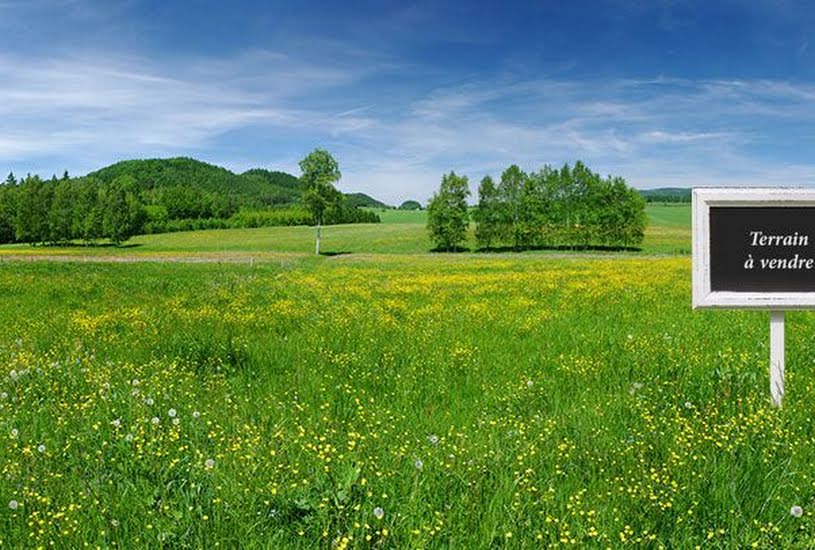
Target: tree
{"x":8,"y":211}
{"x":447,"y":217}
{"x":487,"y":214}
{"x":11,"y":180}
{"x":61,"y":213}
{"x":319,"y":172}
{"x":510,"y":190}
{"x":33,"y":206}
{"x":120,"y":210}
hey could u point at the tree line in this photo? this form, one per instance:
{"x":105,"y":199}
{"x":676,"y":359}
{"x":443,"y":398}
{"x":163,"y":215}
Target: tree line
{"x":87,"y":209}
{"x":570,"y":207}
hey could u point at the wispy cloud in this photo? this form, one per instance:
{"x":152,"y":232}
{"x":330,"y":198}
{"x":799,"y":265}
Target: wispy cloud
{"x":266,"y":108}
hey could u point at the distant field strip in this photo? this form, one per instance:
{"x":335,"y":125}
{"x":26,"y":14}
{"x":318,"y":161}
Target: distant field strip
{"x":402,"y":232}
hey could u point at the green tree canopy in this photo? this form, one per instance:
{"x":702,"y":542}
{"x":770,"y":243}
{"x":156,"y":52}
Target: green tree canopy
{"x":319,"y":172}
{"x":447,"y":216}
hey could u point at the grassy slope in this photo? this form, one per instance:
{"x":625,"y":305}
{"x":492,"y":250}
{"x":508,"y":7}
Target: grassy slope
{"x":401,"y":232}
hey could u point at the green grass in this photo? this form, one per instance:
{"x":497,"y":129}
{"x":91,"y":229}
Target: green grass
{"x":401,"y":232}
{"x":478,"y":400}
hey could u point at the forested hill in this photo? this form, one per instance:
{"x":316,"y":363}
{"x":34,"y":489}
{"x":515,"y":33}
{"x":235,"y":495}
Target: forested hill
{"x":258,"y":187}
{"x":155,"y":196}
{"x":363,"y":200}
{"x":667,"y":194}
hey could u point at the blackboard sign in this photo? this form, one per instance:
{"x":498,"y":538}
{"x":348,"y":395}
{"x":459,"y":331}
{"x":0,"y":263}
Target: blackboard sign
{"x":762,"y":249}
{"x":754,"y":248}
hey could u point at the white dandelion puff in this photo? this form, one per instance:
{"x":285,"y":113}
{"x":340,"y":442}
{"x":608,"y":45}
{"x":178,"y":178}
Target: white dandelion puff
{"x":13,"y":504}
{"x":209,"y":463}
{"x":172,"y":413}
{"x":41,"y":448}
{"x":796,"y":511}
{"x":433,"y":439}
{"x":379,"y":513}
{"x":149,"y":401}
{"x":155,"y":420}
{"x":116,"y":423}
{"x":196,"y":415}
{"x":176,"y":421}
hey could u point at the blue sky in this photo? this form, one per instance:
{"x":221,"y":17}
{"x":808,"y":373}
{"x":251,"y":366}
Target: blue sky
{"x":663,"y":93}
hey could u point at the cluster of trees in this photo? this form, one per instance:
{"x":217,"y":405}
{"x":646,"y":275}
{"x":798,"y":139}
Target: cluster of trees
{"x":57,"y":211}
{"x":571,"y":207}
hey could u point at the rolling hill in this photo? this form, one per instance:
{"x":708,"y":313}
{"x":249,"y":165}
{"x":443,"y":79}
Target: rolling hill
{"x":256,"y":187}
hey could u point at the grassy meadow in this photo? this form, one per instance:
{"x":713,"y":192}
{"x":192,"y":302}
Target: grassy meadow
{"x":401,"y":232}
{"x":393,"y":400}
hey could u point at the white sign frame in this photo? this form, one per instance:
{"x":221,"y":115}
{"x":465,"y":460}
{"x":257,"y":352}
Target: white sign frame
{"x":706,"y":197}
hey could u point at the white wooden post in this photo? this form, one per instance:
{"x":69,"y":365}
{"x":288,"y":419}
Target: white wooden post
{"x":777,"y":357}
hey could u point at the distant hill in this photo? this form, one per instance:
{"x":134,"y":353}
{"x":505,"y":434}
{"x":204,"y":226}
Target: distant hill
{"x":667,"y":194}
{"x":363,"y":200}
{"x":255,"y":187}
{"x":410,"y":205}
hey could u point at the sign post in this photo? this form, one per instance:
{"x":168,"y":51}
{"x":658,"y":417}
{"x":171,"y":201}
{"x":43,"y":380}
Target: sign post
{"x":755,"y":248}
{"x":777,"y":357}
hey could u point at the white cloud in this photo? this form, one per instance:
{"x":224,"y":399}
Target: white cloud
{"x":92,"y":109}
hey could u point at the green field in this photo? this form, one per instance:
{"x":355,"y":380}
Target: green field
{"x":403,"y":400}
{"x":401,"y":232}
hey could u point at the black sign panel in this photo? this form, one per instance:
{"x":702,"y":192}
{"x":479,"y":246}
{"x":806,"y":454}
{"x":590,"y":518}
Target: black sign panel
{"x":762,"y":249}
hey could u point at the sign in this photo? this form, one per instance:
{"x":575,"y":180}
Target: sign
{"x":755,"y":248}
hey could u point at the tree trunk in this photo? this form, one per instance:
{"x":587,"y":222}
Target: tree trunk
{"x":318,"y":238}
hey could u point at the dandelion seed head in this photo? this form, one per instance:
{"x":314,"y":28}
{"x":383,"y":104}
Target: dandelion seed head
{"x":196,"y":415}
{"x":209,"y":463}
{"x":41,"y":448}
{"x":176,"y":421}
{"x":796,"y":511}
{"x":529,"y":383}
{"x":15,"y":432}
{"x":116,"y":423}
{"x":155,"y":420}
{"x":149,"y":401}
{"x":172,"y":413}
{"x":433,"y":439}
{"x":13,"y":504}
{"x":379,"y":513}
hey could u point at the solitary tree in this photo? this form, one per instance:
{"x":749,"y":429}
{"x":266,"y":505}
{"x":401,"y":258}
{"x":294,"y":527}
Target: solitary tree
{"x":447,"y":216}
{"x":319,"y":171}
